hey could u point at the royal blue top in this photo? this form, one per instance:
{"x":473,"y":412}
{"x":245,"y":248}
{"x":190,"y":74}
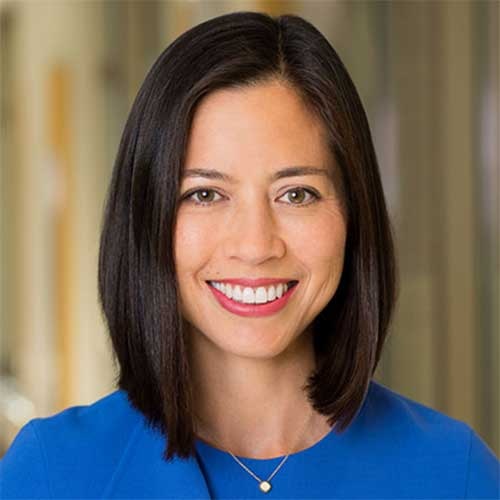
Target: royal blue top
{"x":394,"y":448}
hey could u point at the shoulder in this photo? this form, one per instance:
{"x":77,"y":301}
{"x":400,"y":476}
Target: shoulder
{"x":77,"y":445}
{"x":108,"y":416}
{"x":410,"y":421}
{"x":389,"y":408}
{"x":424,"y":437}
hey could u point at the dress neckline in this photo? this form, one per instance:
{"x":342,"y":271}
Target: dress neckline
{"x":314,"y":448}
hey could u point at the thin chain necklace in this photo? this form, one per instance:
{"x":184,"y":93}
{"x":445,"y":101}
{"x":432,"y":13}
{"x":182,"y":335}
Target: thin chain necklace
{"x":264,"y":484}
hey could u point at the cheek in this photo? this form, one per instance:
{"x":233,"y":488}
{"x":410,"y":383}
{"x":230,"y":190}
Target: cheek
{"x":321,"y":243}
{"x":192,"y":241}
{"x":191,"y":244}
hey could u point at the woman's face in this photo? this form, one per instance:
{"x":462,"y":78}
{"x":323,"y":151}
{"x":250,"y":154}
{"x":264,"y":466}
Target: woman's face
{"x":248,"y":223}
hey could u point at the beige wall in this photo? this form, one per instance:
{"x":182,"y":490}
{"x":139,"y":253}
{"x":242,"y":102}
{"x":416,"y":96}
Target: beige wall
{"x":57,"y":362}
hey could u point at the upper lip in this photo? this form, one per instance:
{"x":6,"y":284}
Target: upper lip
{"x":253,"y":282}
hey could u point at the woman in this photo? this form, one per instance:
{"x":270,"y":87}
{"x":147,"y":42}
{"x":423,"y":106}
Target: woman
{"x":247,"y":277}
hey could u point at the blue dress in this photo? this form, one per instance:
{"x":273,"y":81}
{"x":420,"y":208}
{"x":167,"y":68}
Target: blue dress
{"x":394,"y":448}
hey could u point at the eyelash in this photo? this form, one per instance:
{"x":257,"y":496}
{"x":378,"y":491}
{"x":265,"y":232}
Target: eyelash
{"x":316,"y":196}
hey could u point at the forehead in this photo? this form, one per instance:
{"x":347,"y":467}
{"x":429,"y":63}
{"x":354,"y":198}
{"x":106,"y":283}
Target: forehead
{"x":267,"y":125}
{"x":272,"y":100}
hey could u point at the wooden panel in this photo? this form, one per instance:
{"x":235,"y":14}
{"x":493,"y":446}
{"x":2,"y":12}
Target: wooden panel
{"x":458,"y":193}
{"x":410,"y":357}
{"x":276,"y":7}
{"x":59,"y":130}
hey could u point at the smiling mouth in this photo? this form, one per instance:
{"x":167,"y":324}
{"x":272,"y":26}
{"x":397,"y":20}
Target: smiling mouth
{"x":242,"y":288}
{"x":245,"y":304}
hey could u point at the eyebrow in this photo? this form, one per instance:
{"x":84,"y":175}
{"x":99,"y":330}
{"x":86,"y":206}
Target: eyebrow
{"x":295,"y":171}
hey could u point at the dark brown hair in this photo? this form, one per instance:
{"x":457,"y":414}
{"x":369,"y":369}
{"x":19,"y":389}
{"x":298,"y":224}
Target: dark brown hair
{"x":137,"y":281}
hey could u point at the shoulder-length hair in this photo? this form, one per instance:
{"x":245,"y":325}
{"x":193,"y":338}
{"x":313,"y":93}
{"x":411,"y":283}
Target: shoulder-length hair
{"x":138,"y":289}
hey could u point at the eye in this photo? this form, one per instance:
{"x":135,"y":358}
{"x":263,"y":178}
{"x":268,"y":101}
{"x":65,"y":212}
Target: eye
{"x":299,"y":194}
{"x":201,"y":196}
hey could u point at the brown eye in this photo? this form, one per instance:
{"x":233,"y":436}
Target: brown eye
{"x":297,"y":196}
{"x":201,"y":196}
{"x":204,"y":195}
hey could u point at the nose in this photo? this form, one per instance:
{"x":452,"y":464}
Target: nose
{"x":252,"y":234}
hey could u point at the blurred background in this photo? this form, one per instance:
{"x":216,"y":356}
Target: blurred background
{"x":428,"y":74}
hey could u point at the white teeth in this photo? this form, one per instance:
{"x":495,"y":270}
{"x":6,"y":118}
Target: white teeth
{"x":248,"y":295}
{"x":261,"y":295}
{"x":237,"y":293}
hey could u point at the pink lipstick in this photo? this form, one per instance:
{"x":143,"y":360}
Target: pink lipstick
{"x":243,"y":309}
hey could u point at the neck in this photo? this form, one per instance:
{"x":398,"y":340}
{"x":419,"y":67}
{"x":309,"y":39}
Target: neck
{"x":255,"y":408}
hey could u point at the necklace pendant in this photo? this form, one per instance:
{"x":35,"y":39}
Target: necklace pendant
{"x":264,"y":486}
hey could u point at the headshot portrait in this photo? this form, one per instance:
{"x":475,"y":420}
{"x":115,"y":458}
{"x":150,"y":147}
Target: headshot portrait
{"x":248,"y":273}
